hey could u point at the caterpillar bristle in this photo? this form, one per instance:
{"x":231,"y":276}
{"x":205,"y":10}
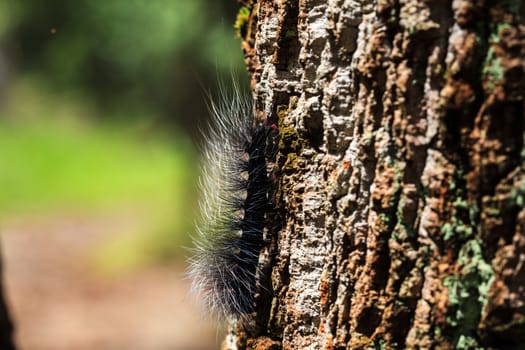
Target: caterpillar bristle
{"x":235,"y":189}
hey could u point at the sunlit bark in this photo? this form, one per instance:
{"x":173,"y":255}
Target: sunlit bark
{"x":400,"y":182}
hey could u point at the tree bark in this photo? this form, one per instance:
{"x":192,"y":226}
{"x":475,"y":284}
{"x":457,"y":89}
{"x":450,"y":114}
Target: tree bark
{"x":6,"y":325}
{"x":400,"y":177}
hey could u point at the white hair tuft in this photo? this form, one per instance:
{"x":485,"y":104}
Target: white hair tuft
{"x":234,"y":206}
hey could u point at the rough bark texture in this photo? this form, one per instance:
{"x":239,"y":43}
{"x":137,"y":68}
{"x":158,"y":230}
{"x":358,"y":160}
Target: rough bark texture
{"x":400,"y":175}
{"x":6,"y":325}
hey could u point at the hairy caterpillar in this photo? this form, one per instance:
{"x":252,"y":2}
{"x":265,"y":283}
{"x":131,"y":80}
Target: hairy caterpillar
{"x":234,"y":207}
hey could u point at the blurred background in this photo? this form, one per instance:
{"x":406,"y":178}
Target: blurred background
{"x":100,"y":106}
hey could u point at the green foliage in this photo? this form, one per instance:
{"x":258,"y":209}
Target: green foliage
{"x":125,"y":55}
{"x":52,"y":165}
{"x":59,"y":156}
{"x":54,"y":160}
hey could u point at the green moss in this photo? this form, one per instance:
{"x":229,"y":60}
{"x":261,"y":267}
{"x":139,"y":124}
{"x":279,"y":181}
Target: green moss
{"x":493,"y":71}
{"x":290,"y":141}
{"x":381,"y":344}
{"x":494,"y":37}
{"x":290,"y":164}
{"x":502,"y":26}
{"x":458,"y":228}
{"x":495,"y":212}
{"x":282,"y":112}
{"x":467,"y":342}
{"x":473,"y":211}
{"x":385,"y":219}
{"x":517,"y":196}
{"x":393,"y":15}
{"x":243,"y":16}
{"x":291,"y":158}
{"x":468,"y":292}
{"x":463,"y":214}
{"x":450,"y":231}
{"x":460,"y":203}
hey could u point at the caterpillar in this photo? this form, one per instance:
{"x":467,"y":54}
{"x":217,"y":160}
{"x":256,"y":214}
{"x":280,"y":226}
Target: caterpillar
{"x":235,"y":187}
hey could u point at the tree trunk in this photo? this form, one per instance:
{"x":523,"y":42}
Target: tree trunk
{"x":6,"y":325}
{"x":400,"y":181}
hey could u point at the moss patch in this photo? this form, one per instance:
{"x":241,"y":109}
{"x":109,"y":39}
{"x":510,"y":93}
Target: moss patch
{"x":468,"y":290}
{"x":290,"y":141}
{"x":241,"y":22}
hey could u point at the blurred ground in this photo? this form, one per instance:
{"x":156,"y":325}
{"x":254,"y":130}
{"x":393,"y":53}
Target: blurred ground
{"x":59,"y":301}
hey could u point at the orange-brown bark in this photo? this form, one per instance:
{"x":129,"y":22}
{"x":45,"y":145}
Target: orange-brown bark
{"x":400,"y":175}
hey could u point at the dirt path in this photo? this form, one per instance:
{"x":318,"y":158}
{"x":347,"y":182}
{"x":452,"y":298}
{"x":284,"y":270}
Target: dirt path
{"x":58,"y":302}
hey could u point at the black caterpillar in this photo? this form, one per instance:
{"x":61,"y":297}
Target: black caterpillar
{"x":235,"y":189}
